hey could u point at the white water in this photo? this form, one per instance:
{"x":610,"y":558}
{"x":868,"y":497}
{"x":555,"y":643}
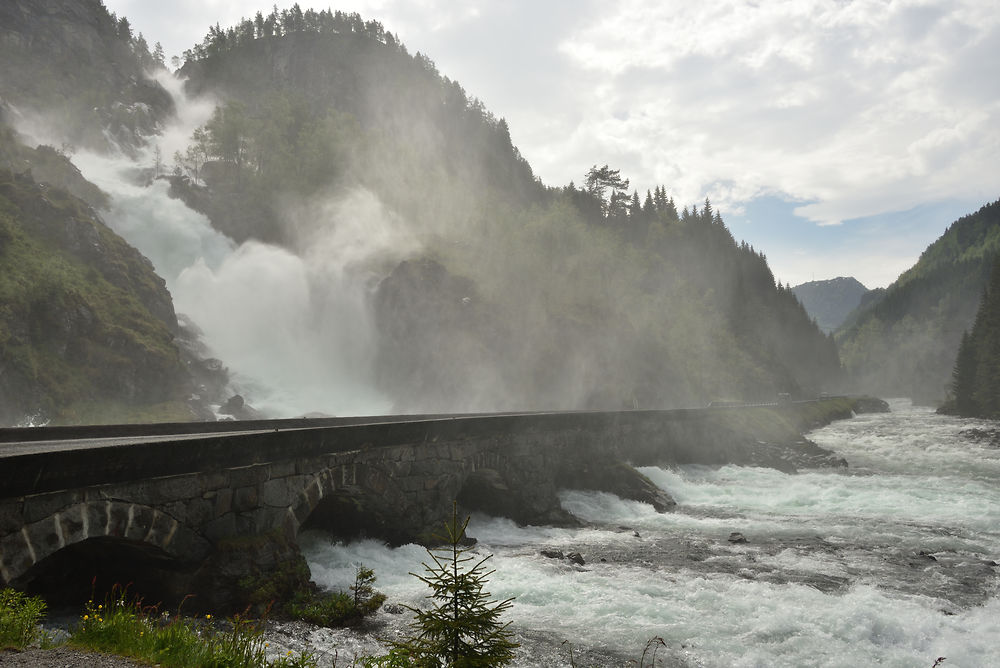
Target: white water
{"x":832,"y":574}
{"x":294,"y":326}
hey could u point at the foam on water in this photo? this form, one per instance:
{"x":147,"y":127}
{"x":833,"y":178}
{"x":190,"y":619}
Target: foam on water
{"x":838,"y":570}
{"x":720,"y":620}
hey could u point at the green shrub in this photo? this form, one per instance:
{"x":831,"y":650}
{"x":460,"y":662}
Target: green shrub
{"x":338,"y":608}
{"x":19,"y":616}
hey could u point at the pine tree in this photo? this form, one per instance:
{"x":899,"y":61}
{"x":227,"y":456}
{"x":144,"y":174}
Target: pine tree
{"x":463,"y":628}
{"x":366,"y":599}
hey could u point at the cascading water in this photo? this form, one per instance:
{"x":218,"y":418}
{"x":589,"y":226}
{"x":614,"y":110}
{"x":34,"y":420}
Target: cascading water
{"x":293,"y":325}
{"x":891,"y":562}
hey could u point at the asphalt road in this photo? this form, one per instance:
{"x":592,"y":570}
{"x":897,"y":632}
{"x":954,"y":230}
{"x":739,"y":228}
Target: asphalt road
{"x":17,"y":448}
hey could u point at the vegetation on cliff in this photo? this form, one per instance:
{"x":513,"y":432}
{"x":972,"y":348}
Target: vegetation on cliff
{"x":86,"y":326}
{"x":904,"y":343}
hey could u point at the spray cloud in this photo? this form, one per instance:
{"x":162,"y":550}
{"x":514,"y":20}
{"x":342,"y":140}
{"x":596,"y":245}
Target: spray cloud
{"x":293,"y":325}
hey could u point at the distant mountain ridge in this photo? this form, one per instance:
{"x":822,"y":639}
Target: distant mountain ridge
{"x":903,"y":342}
{"x":829,"y":302}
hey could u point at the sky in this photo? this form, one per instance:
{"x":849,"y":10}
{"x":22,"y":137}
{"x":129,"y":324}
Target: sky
{"x":839,"y":137}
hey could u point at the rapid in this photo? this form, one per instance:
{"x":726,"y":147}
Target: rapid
{"x":890,"y":562}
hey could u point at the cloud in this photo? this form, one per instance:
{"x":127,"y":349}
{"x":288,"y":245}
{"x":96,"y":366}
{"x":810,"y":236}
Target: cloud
{"x":856,"y":107}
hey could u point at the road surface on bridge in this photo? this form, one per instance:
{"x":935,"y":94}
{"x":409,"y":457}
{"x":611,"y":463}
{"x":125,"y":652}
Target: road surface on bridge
{"x":17,"y":448}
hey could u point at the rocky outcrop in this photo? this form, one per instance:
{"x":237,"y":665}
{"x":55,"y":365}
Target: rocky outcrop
{"x":444,"y":346}
{"x":239,"y":213}
{"x":435,"y":335}
{"x":616,"y":477}
{"x":72,"y":64}
{"x":47,"y":165}
{"x":870,"y":405}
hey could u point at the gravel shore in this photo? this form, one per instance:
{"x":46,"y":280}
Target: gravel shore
{"x":63,"y":657}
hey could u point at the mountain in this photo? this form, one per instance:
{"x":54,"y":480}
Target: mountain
{"x":903,"y":342}
{"x":349,"y":231}
{"x":515,"y":295}
{"x":829,"y":302}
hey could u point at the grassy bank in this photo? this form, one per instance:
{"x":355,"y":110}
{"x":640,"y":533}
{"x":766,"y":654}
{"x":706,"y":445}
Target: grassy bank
{"x":122,"y":625}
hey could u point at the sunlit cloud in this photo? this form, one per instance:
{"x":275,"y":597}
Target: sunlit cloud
{"x":848,"y":105}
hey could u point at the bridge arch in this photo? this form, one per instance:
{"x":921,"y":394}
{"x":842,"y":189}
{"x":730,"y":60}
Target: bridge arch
{"x":139,"y":528}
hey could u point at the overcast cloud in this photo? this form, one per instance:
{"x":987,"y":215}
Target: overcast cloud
{"x":847,"y":111}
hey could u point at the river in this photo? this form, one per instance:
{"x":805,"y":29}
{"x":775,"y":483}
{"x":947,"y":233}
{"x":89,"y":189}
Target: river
{"x":888,"y":562}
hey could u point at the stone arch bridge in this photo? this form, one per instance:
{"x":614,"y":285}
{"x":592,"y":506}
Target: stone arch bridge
{"x":215,"y":508}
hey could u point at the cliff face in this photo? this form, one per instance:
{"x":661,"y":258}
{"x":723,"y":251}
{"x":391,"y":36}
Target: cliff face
{"x":75,"y":66}
{"x":86,"y":326}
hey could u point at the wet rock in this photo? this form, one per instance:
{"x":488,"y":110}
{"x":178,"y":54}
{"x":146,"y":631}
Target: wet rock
{"x":552,"y":554}
{"x":988,"y":437}
{"x":237,"y":407}
{"x":737,"y":537}
{"x":576,"y":558}
{"x":869,"y":405}
{"x":606,"y":474}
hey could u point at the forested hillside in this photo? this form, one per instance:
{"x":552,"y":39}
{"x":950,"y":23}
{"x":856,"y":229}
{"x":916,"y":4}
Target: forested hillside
{"x":520,"y":295}
{"x":975,"y":386}
{"x":904,"y":343}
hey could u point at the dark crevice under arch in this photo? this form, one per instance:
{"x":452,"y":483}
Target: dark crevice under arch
{"x":89,"y":570}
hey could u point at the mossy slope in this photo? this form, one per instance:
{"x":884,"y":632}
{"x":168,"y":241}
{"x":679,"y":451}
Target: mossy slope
{"x":86,"y":326}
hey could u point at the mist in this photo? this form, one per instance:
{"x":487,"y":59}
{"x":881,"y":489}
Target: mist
{"x":292,"y":325}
